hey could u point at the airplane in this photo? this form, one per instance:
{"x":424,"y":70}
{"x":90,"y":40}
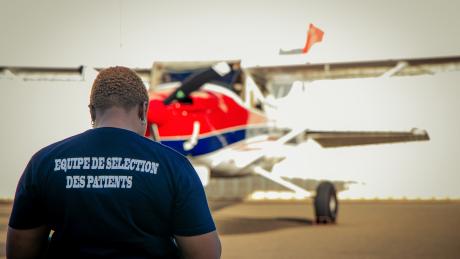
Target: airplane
{"x":217,"y":113}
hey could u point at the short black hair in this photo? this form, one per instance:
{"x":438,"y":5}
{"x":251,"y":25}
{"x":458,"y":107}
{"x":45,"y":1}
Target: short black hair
{"x":117,"y":86}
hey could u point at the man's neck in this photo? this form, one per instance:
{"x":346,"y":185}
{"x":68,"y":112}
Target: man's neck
{"x":114,"y":125}
{"x":116,"y":118}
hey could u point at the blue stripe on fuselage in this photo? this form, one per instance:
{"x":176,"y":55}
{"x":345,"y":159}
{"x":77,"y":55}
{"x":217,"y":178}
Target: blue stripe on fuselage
{"x":207,"y":144}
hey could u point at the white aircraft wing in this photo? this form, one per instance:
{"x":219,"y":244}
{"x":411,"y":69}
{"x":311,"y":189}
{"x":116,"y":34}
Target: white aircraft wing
{"x":329,"y":139}
{"x":267,"y":77}
{"x":265,"y":150}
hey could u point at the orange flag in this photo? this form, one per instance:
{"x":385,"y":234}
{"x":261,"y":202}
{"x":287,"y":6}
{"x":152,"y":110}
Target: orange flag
{"x":314,"y":35}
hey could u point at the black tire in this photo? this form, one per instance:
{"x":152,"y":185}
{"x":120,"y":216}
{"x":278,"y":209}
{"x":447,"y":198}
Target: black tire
{"x":326,"y":203}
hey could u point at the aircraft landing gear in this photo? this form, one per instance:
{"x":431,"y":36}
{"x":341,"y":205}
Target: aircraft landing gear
{"x":326,"y":203}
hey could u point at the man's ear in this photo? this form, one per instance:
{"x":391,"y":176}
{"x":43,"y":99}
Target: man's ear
{"x":143,"y":111}
{"x":92,"y":112}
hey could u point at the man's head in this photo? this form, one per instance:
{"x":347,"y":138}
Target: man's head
{"x":119,"y":96}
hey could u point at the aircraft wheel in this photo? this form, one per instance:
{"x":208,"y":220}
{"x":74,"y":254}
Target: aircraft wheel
{"x":326,"y":203}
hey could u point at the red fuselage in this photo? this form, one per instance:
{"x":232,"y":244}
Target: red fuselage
{"x":222,"y":117}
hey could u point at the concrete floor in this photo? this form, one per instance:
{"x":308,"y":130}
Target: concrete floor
{"x":366,"y":229}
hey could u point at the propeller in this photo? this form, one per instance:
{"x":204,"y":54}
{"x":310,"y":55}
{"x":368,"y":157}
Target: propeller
{"x":196,"y":80}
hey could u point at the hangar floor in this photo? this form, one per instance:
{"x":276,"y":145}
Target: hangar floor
{"x":366,"y":229}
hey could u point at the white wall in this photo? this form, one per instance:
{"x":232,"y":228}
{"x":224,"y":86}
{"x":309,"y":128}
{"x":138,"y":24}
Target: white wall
{"x":135,"y":33}
{"x":36,"y":114}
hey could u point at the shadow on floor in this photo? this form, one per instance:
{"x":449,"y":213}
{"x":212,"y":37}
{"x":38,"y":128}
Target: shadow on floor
{"x":236,"y":226}
{"x":217,"y":205}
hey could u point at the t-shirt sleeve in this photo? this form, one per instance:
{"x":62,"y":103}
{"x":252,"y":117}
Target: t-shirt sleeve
{"x":191,"y":212}
{"x":28,"y":211}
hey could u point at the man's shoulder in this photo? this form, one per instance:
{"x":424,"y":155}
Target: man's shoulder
{"x":51,"y":148}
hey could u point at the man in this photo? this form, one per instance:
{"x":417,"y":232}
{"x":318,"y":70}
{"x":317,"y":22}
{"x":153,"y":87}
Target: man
{"x":109,"y":192}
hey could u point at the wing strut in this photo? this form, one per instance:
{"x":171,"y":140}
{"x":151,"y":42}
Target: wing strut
{"x":399,"y":66}
{"x":277,"y":179}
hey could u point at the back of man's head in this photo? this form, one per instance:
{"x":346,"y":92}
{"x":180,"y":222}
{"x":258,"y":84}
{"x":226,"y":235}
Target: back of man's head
{"x":119,"y":87}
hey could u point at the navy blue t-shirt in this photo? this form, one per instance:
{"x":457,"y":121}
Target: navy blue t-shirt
{"x":110,"y":192}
